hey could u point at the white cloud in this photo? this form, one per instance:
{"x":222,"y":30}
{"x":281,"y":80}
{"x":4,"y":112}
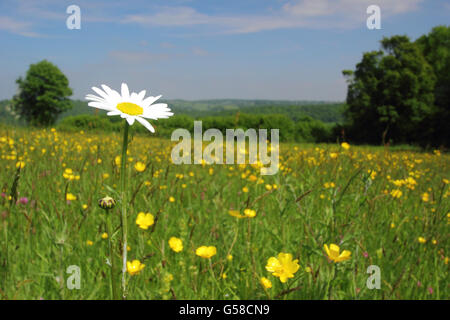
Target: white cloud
{"x":17,"y":27}
{"x":319,"y":14}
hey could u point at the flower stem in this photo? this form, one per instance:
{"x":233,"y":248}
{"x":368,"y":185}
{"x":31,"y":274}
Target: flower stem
{"x":331,"y":282}
{"x":111,"y":255}
{"x":123,"y":182}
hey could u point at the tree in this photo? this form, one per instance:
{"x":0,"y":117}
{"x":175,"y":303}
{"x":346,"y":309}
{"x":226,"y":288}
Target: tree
{"x":435,"y":47}
{"x":43,"y":94}
{"x":390,"y":94}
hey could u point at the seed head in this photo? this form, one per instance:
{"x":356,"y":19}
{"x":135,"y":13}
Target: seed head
{"x":107,"y":203}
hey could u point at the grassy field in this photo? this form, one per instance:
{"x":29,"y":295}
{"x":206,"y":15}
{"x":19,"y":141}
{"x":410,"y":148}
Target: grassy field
{"x":388,"y":208}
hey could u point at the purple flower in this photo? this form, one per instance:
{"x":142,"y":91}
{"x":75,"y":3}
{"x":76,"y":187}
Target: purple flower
{"x":365,"y":254}
{"x":430,"y":290}
{"x":3,"y":195}
{"x":23,"y":200}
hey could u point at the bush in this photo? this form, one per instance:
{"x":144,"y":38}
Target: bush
{"x":305,"y":130}
{"x":308,"y":129}
{"x":87,"y":122}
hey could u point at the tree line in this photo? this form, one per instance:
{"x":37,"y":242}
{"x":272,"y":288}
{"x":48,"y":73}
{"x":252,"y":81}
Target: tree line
{"x":305,"y":129}
{"x":401,"y":93}
{"x":396,"y":95}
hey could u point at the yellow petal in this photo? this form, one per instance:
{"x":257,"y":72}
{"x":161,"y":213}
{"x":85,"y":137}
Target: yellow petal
{"x":345,"y":255}
{"x":334,"y":250}
{"x":326,"y":249}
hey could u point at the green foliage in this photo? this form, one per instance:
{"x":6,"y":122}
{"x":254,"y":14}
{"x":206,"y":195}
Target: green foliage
{"x":308,"y":129}
{"x":305,"y":130}
{"x":401,"y":93}
{"x":45,"y":234}
{"x":43,"y":94}
{"x":436,"y":50}
{"x":390,"y":93}
{"x":87,"y":122}
{"x":328,"y":112}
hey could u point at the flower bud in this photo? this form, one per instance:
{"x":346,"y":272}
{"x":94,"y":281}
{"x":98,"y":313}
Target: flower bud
{"x":107,"y":203}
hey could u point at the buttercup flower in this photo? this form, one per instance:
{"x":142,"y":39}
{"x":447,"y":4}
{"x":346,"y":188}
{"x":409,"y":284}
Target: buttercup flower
{"x":144,"y":220}
{"x":282,"y":267}
{"x":20,"y":164}
{"x":396,"y":193}
{"x":139,"y":166}
{"x":345,"y":145}
{"x":206,"y":252}
{"x":134,"y":267}
{"x":129,"y":106}
{"x":249,"y":213}
{"x":176,"y":244}
{"x":235,"y":213}
{"x":422,"y":240}
{"x":70,"y":197}
{"x":265,"y":283}
{"x":333,"y":253}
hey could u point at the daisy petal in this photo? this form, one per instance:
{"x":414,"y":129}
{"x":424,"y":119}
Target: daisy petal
{"x":99,"y":105}
{"x":149,"y":100}
{"x":130,"y":120}
{"x":111,"y":93}
{"x":157,"y":111}
{"x":100,"y":92}
{"x":113,"y":113}
{"x":125,"y":91}
{"x":141,"y":94}
{"x":94,"y":98}
{"x":146,"y":124}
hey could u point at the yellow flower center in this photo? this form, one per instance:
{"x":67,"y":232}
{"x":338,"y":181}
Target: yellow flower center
{"x":130,"y":108}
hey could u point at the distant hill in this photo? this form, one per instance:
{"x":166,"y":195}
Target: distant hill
{"x":328,"y":112}
{"x":324,"y":111}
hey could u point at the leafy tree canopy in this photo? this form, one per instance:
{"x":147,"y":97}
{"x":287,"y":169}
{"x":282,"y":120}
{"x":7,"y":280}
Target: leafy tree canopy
{"x":43,"y":94}
{"x":390,"y":94}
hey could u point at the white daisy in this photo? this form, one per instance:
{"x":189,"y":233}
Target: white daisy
{"x":129,"y":106}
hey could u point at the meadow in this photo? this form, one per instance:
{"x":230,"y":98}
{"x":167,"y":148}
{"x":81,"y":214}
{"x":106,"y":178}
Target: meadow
{"x":385,"y":206}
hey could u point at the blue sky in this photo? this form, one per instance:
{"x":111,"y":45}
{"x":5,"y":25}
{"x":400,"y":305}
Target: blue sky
{"x":205,"y":49}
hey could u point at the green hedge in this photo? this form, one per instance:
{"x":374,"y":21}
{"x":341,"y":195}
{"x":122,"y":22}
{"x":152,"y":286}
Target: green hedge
{"x":304,"y":130}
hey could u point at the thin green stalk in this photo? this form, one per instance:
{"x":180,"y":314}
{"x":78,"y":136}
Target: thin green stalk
{"x":123,"y":182}
{"x":111,"y":256}
{"x":330,"y":282}
{"x":6,"y":249}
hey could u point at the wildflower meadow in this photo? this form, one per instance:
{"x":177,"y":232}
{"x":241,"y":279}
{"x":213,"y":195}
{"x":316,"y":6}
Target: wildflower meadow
{"x":311,"y":231}
{"x":225,"y":158}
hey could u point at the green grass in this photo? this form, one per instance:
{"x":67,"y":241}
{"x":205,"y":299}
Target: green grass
{"x":40,"y":239}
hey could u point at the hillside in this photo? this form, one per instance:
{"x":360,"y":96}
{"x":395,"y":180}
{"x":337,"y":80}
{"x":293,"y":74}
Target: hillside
{"x":328,"y":112}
